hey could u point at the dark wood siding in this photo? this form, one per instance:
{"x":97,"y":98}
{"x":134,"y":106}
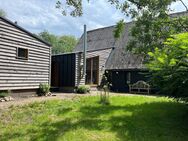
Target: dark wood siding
{"x":63,"y":70}
{"x":17,"y":73}
{"x":118,"y":79}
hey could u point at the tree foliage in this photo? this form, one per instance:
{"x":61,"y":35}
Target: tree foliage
{"x":169,"y":66}
{"x":60,"y":44}
{"x":2,"y":13}
{"x":152,"y":23}
{"x":151,"y":17}
{"x":72,"y":7}
{"x":120,"y":26}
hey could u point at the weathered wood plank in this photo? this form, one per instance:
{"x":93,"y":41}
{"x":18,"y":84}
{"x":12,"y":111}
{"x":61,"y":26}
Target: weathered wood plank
{"x":23,"y":63}
{"x":12,"y":30}
{"x":13,"y":43}
{"x":21,"y":78}
{"x":22,"y":72}
{"x":17,"y":73}
{"x":23,"y":69}
{"x":30,"y":61}
{"x":22,"y":81}
{"x":11,"y":37}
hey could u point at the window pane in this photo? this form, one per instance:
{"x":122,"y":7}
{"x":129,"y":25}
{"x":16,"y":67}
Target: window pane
{"x":22,"y":53}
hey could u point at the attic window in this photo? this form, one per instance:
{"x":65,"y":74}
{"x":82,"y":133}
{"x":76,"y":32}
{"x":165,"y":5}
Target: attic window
{"x":22,"y":53}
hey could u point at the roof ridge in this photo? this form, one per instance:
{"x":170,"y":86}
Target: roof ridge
{"x":171,"y":14}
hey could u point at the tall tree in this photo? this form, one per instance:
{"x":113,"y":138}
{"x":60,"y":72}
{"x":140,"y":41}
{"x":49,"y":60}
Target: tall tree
{"x":2,"y":13}
{"x":60,"y":44}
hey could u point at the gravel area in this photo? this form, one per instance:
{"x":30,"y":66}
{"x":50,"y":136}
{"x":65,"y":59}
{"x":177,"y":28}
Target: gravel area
{"x":19,"y":101}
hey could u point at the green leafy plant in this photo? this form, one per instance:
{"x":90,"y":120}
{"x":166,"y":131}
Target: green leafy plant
{"x":5,"y":93}
{"x":169,"y":66}
{"x":119,"y":28}
{"x":44,"y":89}
{"x":83,"y":89}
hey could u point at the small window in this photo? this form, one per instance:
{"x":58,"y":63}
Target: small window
{"x":128,"y":77}
{"x":22,"y":53}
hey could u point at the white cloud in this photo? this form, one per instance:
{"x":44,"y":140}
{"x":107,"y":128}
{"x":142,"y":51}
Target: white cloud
{"x":178,"y":6}
{"x":39,"y":15}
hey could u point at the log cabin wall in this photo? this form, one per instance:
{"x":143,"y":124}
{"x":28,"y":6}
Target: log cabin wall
{"x":18,"y":73}
{"x":103,"y":56}
{"x":79,"y":74}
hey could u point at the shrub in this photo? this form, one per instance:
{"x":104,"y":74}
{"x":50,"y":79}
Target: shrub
{"x":104,"y":90}
{"x":104,"y":96}
{"x":169,"y":66}
{"x":4,"y":94}
{"x":83,"y":89}
{"x":44,"y":89}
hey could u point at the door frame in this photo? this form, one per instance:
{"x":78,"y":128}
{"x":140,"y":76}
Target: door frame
{"x":91,"y":71}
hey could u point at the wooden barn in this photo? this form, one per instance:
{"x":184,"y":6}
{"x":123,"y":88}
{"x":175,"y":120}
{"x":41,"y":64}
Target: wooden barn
{"x":105,"y":55}
{"x":25,"y":60}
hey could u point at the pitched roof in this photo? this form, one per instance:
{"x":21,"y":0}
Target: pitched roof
{"x":24,"y":30}
{"x":119,"y":59}
{"x":104,"y":38}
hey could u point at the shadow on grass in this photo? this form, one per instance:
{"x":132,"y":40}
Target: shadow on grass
{"x":145,"y":122}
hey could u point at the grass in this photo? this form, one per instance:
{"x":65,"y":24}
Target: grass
{"x":135,"y":118}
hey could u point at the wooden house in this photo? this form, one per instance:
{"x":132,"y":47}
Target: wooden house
{"x":105,"y":55}
{"x":25,"y":60}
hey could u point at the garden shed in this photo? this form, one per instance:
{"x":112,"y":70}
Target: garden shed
{"x":25,"y":59}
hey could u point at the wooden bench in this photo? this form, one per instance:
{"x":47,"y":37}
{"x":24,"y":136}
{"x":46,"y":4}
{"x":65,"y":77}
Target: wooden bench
{"x":139,"y":87}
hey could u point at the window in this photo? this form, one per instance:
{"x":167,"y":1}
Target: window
{"x":22,"y":53}
{"x":128,"y":77}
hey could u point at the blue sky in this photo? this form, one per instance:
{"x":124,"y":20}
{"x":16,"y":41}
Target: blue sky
{"x":40,"y":15}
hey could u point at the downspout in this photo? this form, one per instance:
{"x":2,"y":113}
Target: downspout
{"x":85,"y":51}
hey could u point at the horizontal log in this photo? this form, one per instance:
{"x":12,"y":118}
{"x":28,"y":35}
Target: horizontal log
{"x":20,"y":78}
{"x":19,"y":88}
{"x":22,"y":82}
{"x":22,"y":72}
{"x":9,"y":27}
{"x":6,"y":48}
{"x":23,"y":69}
{"x":38,"y":55}
{"x":16,"y":32}
{"x":12,"y":37}
{"x":23,"y":63}
{"x":11,"y":30}
{"x":13,"y":43}
{"x":24,"y":75}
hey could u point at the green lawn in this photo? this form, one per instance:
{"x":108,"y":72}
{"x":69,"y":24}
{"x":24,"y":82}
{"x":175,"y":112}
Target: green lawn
{"x":134,"y":118}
